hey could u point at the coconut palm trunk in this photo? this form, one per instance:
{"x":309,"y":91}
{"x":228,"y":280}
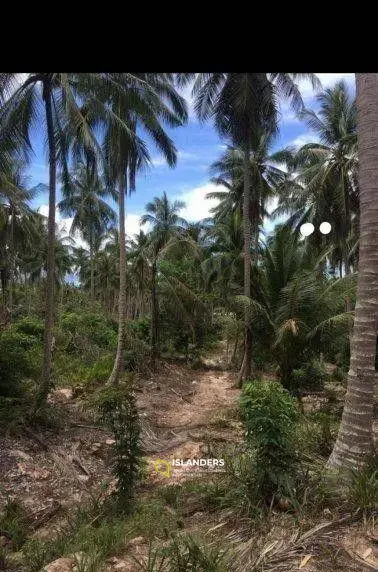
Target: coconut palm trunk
{"x":154,"y":316}
{"x":49,"y":292}
{"x":355,"y":436}
{"x":118,"y":362}
{"x":91,"y":262}
{"x":245,"y":369}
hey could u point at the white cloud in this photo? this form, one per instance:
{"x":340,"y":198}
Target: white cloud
{"x":186,"y":93}
{"x":64,"y":226}
{"x":133,"y":226}
{"x":197,"y":205}
{"x":159,"y":162}
{"x":327,"y":80}
{"x":304,"y":139}
{"x":187,"y":156}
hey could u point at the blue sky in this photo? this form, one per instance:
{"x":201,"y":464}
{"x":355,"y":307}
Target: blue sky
{"x":198,"y":146}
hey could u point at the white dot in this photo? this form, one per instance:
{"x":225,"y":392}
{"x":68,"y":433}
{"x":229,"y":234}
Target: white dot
{"x":306,"y":229}
{"x":325,"y":228}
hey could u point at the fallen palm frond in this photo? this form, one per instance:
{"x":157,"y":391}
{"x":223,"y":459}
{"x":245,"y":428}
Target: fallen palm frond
{"x":284,"y":554}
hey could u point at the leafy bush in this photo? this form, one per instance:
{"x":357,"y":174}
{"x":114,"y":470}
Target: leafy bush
{"x":141,"y":327}
{"x":118,"y":411}
{"x":270,"y":414}
{"x":31,"y":326}
{"x":136,"y":354}
{"x":19,"y":357}
{"x":310,"y":377}
{"x":88,"y":329}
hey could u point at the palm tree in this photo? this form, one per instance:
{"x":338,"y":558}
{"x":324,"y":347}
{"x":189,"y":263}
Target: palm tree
{"x":166,"y":225}
{"x":224,"y":264}
{"x":297,"y":309}
{"x":243,"y":104}
{"x":149,"y":100}
{"x":355,"y":438}
{"x":325,"y":186}
{"x":92,"y":215}
{"x":265,"y":179}
{"x":138,"y":256}
{"x":57,"y":94}
{"x":17,"y":227}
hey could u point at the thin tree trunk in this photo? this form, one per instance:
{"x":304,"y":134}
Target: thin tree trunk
{"x":11,"y":265}
{"x":154,"y":317}
{"x":355,"y":438}
{"x":92,"y":270}
{"x":118,"y":362}
{"x":245,"y":369}
{"x":49,"y":306}
{"x":233,"y":357}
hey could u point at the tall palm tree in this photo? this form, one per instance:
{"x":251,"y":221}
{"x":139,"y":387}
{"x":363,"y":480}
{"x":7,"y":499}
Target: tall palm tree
{"x":243,"y":104}
{"x":355,"y":438}
{"x":224,"y":263}
{"x":17,"y":226}
{"x":138,"y":256}
{"x":166,"y":225}
{"x":148,"y":101}
{"x":325,"y":187}
{"x":23,"y":98}
{"x":265,"y":179}
{"x":85,"y":200}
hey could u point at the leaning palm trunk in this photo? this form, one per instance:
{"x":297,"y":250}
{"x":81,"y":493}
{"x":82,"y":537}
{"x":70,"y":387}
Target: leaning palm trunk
{"x":245,"y":369}
{"x":355,"y":436}
{"x":154,"y":317}
{"x":49,"y":307}
{"x":118,"y":362}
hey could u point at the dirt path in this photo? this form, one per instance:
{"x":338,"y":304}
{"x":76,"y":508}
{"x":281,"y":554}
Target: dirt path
{"x":188,"y":419}
{"x":54,"y":470}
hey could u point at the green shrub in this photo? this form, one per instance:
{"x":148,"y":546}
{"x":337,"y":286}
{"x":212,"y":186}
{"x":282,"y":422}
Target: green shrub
{"x":14,"y":520}
{"x":136,"y":354}
{"x":188,"y":552}
{"x":32,"y":326}
{"x":118,"y":411}
{"x":88,"y":328}
{"x":363,"y":486}
{"x":100,"y":370}
{"x":316,"y":434}
{"x":270,"y":414}
{"x":310,"y":377}
{"x":141,"y":327}
{"x":19,"y":356}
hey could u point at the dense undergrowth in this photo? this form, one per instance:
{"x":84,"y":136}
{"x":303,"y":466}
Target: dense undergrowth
{"x":275,"y":477}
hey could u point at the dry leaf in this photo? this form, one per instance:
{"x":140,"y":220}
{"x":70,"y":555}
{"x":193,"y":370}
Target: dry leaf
{"x":304,"y":561}
{"x":367,"y":553}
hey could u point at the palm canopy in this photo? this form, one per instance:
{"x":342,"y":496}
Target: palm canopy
{"x":323,"y":186}
{"x":241,"y":102}
{"x":164,"y":219}
{"x":84,"y":200}
{"x":135,"y":112}
{"x":265,"y":178}
{"x":298,"y":310}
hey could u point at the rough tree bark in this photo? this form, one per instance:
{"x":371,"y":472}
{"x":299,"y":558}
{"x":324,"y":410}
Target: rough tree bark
{"x":118,"y":362}
{"x":355,"y":436}
{"x":49,"y":306}
{"x":154,"y":317}
{"x":245,"y":369}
